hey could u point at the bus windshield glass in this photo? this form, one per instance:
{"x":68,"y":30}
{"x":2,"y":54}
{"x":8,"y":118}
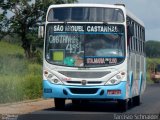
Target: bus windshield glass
{"x":85,"y":14}
{"x":87,"y":45}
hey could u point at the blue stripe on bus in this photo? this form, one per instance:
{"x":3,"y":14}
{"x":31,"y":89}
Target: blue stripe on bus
{"x":140,"y":82}
{"x":130,"y":83}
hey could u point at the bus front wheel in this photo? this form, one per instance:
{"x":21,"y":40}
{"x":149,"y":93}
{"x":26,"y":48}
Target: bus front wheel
{"x":76,"y":102}
{"x":59,"y":103}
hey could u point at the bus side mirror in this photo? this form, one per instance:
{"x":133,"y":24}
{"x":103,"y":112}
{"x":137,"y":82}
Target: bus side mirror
{"x":130,"y":30}
{"x":41,"y":31}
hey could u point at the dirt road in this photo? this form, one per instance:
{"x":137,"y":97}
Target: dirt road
{"x":26,"y":106}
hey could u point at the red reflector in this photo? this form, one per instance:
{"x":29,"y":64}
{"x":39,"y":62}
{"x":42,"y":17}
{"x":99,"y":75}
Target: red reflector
{"x":115,"y":92}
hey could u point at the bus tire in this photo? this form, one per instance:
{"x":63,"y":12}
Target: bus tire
{"x":130,"y":103}
{"x":123,"y":105}
{"x":137,"y":100}
{"x":59,"y":103}
{"x":76,"y":102}
{"x":84,"y":102}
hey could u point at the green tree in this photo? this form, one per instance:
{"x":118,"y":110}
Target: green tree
{"x":3,"y":19}
{"x":26,"y":14}
{"x":152,"y":49}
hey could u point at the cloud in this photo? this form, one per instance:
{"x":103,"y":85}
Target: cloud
{"x":146,"y":10}
{"x":151,"y":34}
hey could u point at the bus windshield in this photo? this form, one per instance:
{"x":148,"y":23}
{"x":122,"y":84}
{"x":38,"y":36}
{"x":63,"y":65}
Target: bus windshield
{"x":86,"y":45}
{"x":85,"y":14}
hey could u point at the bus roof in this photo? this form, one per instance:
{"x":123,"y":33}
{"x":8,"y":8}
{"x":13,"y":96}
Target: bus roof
{"x":127,"y":12}
{"x":131,"y":15}
{"x":85,"y":5}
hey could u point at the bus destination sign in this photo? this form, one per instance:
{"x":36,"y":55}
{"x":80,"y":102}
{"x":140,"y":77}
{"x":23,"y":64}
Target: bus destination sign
{"x":86,"y":28}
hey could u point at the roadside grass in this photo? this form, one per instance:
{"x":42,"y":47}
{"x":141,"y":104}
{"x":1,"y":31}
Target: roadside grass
{"x":20,"y":79}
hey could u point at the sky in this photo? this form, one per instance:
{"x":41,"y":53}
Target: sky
{"x":146,"y":10}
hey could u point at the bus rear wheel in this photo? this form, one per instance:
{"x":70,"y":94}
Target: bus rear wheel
{"x":59,"y":103}
{"x":137,"y":100}
{"x":123,"y":105}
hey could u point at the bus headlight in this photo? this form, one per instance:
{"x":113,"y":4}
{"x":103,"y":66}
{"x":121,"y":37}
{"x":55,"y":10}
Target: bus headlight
{"x":55,"y":80}
{"x":52,"y":78}
{"x":116,"y":79}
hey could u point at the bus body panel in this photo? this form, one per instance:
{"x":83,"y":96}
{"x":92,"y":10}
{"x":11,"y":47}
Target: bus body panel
{"x":134,"y":65}
{"x":56,"y":91}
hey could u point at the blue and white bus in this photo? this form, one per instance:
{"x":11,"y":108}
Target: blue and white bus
{"x":93,"y":52}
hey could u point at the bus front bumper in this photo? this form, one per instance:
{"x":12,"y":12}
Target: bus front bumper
{"x":113,"y":92}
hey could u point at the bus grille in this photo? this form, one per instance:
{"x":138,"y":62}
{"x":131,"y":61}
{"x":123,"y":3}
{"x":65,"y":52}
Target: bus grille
{"x":75,"y":74}
{"x":83,"y":90}
{"x":88,"y":82}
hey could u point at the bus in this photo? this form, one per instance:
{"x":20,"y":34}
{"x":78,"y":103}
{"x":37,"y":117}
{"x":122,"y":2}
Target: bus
{"x":93,"y":52}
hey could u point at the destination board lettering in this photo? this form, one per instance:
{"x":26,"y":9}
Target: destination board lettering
{"x":74,"y":28}
{"x":112,"y":60}
{"x":95,"y":60}
{"x":101,"y":61}
{"x":58,"y":28}
{"x":86,"y":28}
{"x":64,"y":39}
{"x":102,"y":29}
{"x":68,"y":28}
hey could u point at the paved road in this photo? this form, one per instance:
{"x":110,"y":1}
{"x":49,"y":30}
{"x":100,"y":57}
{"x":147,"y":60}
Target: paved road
{"x":149,"y":109}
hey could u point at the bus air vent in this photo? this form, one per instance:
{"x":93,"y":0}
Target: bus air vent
{"x":77,"y":74}
{"x":83,"y":90}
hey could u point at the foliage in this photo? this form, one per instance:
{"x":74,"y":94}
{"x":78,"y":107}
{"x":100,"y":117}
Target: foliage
{"x":26,"y":14}
{"x":153,"y":55}
{"x":3,"y":20}
{"x":152,"y":49}
{"x":150,"y":63}
{"x":20,"y":79}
